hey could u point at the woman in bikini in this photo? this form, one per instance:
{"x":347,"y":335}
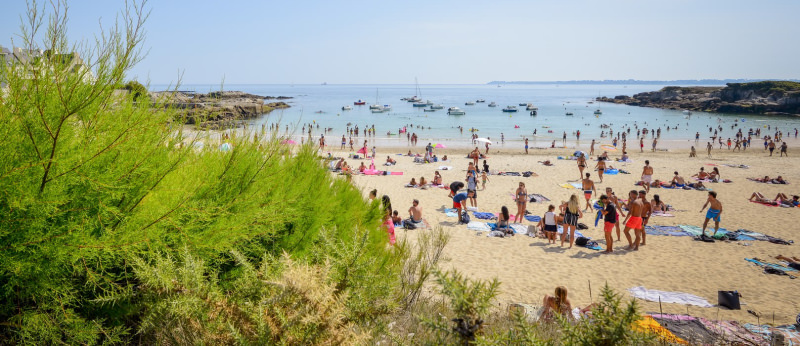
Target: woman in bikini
{"x":558,"y":304}
{"x":521,"y":197}
{"x":581,"y":165}
{"x":572,"y":213}
{"x":437,"y":178}
{"x":658,"y":204}
{"x":502,"y":221}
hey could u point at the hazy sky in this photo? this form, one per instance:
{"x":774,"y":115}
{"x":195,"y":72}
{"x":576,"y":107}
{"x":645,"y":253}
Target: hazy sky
{"x":271,"y":42}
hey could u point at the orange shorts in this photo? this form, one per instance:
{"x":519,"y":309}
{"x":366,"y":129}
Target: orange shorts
{"x":634,"y":222}
{"x":608,"y":226}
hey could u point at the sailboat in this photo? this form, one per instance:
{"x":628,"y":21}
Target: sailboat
{"x":417,"y":93}
{"x":377,"y":107}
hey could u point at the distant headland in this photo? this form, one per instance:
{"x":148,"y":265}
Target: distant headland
{"x":719,"y":82}
{"x":765,"y":97}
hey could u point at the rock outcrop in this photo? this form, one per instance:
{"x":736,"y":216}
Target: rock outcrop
{"x":220,"y":108}
{"x":768,"y":97}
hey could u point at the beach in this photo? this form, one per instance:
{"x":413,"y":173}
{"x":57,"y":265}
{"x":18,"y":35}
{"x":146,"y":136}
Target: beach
{"x":529,"y":268}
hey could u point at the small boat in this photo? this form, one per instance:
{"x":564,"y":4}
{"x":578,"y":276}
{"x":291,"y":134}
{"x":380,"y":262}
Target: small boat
{"x":570,"y":114}
{"x":510,"y":109}
{"x":429,"y":102}
{"x":347,"y":108}
{"x":534,"y":112}
{"x":420,"y":104}
{"x":379,"y":109}
{"x":360,"y":102}
{"x":598,"y":112}
{"x":429,"y":109}
{"x":531,"y":107}
{"x":469,"y":103}
{"x":523,"y":104}
{"x":437,"y":107}
{"x":492,"y":104}
{"x":412,"y":99}
{"x":480,"y":100}
{"x":375,"y":106}
{"x":455,"y":111}
{"x":387,"y":108}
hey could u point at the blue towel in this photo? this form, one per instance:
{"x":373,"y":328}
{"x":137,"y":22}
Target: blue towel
{"x":533,"y":218}
{"x":483,"y":216}
{"x":611,"y":171}
{"x":772,"y":265}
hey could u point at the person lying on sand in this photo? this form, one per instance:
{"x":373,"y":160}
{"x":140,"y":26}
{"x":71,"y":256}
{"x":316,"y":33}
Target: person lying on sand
{"x":779,"y":180}
{"x":546,"y":163}
{"x":779,"y":199}
{"x":698,"y":186}
{"x":794,"y":262}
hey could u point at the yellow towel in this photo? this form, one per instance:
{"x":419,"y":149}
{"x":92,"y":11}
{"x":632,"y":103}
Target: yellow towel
{"x":648,"y":325}
{"x":567,"y":186}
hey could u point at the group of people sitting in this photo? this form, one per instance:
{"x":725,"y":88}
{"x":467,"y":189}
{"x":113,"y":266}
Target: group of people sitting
{"x":414,"y":219}
{"x":714,"y":175}
{"x":437,"y":181}
{"x":781,"y":199}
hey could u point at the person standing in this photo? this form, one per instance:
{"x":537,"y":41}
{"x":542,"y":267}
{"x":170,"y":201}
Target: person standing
{"x":709,"y":147}
{"x":612,"y":198}
{"x":591,"y":149}
{"x":714,"y":212}
{"x":647,"y":210}
{"x":609,"y":220}
{"x":322,"y":142}
{"x":571,"y":215}
{"x":475,"y":155}
{"x":521,"y":197}
{"x":641,"y":144}
{"x":634,"y":220}
{"x":784,"y":146}
{"x":344,"y":142}
{"x":526,"y":146}
{"x":472,"y":188}
{"x":600,"y":167}
{"x":647,"y":175}
{"x":581,"y":164}
{"x":771,"y":147}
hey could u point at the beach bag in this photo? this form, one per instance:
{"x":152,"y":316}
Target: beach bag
{"x":407,"y":224}
{"x":582,"y":226}
{"x":533,"y":200}
{"x":581,"y":241}
{"x":464,"y":217}
{"x":729,"y":299}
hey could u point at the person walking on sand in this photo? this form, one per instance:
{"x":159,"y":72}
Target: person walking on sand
{"x":641,"y":145}
{"x":581,"y":164}
{"x":591,"y":149}
{"x":526,"y":146}
{"x":709,"y":147}
{"x":588,"y":190}
{"x":344,"y":142}
{"x":322,"y":142}
{"x":714,"y":212}
{"x":647,"y":210}
{"x":609,"y":220}
{"x":600,"y":167}
{"x":476,"y":154}
{"x":484,"y":179}
{"x":771,"y":147}
{"x":647,"y":175}
{"x":571,"y":215}
{"x":634,"y":220}
{"x":784,"y":146}
{"x":521,"y":197}
{"x":655,"y":141}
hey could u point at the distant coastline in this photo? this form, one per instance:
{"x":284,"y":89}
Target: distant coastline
{"x":714,"y":82}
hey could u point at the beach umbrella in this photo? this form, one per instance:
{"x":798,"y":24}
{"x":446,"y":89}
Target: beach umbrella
{"x":288,"y":141}
{"x":608,"y":147}
{"x":484,"y":140}
{"x":440,"y":145}
{"x":578,"y":153}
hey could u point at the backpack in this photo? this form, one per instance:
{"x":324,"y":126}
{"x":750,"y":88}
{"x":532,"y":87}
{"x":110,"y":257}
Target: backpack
{"x":582,"y":226}
{"x":407,"y":224}
{"x":581,"y":241}
{"x":464,"y":217}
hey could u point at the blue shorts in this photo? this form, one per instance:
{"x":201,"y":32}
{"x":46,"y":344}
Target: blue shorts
{"x":713,"y":214}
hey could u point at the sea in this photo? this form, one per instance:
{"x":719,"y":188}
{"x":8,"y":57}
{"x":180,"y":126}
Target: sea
{"x":321,"y":105}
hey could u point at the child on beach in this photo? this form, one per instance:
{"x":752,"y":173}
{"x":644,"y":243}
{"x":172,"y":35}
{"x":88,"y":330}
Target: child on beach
{"x":484,"y":179}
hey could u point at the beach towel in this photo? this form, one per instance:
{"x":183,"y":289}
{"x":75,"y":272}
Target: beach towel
{"x":662,"y":214}
{"x":451,"y":212}
{"x":611,"y":171}
{"x":649,"y":325}
{"x":395,"y":173}
{"x":771,"y":265}
{"x":733,"y":333}
{"x":686,"y":327}
{"x":539,"y":198}
{"x":484,"y":216}
{"x":674,"y":231}
{"x":533,"y":218}
{"x":696,"y":231}
{"x":668,"y":297}
{"x":577,"y":185}
{"x":567,"y":186}
{"x":736,"y":166}
{"x":519,"y":228}
{"x":478,"y":226}
{"x":791,"y":336}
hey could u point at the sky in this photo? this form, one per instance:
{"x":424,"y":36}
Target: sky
{"x":447,"y":42}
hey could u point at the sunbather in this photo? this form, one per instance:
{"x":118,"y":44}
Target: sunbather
{"x":437,"y":178}
{"x":794,"y":262}
{"x":390,"y":160}
{"x":658,"y":205}
{"x":396,"y":218}
{"x":677,"y":181}
{"x":415,"y":212}
{"x":779,"y":199}
{"x":558,"y":304}
{"x":714,"y":175}
{"x":413,"y":182}
{"x":503,"y":220}
{"x":422,"y":182}
{"x":778,"y":180}
{"x":702,"y":175}
{"x":362,"y":168}
{"x":698,"y":186}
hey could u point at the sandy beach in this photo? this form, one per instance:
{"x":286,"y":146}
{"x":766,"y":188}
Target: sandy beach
{"x":529,"y":268}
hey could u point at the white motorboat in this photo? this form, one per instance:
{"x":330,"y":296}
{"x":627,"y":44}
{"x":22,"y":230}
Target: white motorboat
{"x":531,"y":107}
{"x":510,"y":109}
{"x":347,"y":108}
{"x":480,"y":100}
{"x":469,"y":103}
{"x":375,"y":106}
{"x":387,"y":108}
{"x":455,"y":111}
{"x":429,"y":102}
{"x":377,"y":110}
{"x":492,"y":104}
{"x":437,"y":107}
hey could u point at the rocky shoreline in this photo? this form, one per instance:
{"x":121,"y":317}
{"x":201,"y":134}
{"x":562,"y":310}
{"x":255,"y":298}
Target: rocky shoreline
{"x":768,"y":97}
{"x":220,"y":108}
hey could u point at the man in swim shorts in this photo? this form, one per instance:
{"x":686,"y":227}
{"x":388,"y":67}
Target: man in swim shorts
{"x":646,"y":212}
{"x":647,"y":175}
{"x":714,"y":212}
{"x":634,"y":219}
{"x":415,"y":212}
{"x":458,"y":203}
{"x":588,"y":189}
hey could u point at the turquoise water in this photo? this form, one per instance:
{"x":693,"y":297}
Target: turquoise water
{"x":553,"y":102}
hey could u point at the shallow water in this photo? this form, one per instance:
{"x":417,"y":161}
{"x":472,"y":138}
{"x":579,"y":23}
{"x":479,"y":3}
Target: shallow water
{"x":551,"y":122}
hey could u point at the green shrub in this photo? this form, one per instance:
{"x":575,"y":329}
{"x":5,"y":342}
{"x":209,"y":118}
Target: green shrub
{"x":137,"y":91}
{"x":610,"y":324}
